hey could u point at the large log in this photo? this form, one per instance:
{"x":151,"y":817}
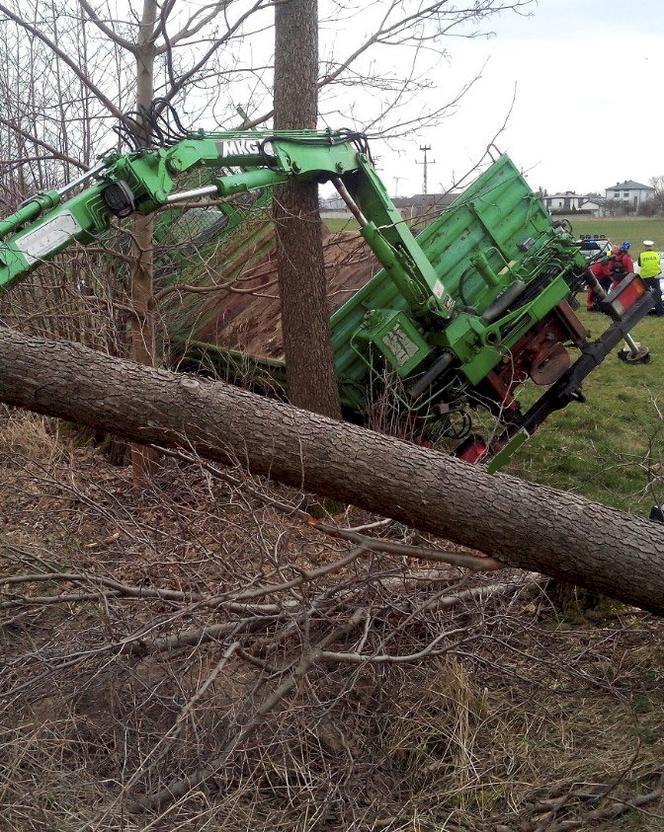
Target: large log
{"x":521,"y":524}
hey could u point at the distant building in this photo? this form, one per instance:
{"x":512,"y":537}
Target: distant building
{"x":335,"y":213}
{"x":570,"y":202}
{"x":332,"y":203}
{"x":422,"y":205}
{"x":333,"y":208}
{"x":593,"y":206}
{"x":629,"y":195}
{"x":562,"y":202}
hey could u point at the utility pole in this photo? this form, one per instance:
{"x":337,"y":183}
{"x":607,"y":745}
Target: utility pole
{"x":425,"y":149}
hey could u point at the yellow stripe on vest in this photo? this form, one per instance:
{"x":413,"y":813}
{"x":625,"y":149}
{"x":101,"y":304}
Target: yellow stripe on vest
{"x":650,"y":263}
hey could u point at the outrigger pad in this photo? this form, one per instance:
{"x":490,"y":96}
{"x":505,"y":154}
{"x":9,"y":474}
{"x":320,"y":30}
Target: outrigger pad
{"x":641,"y":356}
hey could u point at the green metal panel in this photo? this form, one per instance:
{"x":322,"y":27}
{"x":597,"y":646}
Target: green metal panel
{"x":498,"y":216}
{"x":495,"y":236}
{"x":397,"y":339}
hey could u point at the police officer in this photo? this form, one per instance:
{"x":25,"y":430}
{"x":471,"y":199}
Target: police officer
{"x":650,"y":266}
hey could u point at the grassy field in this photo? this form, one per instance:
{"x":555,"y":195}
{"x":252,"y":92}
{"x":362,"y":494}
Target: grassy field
{"x":611,"y":447}
{"x":617,"y":229}
{"x":335,"y":224}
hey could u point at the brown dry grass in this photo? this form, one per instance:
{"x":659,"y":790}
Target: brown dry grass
{"x":523,"y":712}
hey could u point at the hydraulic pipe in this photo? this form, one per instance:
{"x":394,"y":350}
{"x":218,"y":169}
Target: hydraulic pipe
{"x":30,"y":209}
{"x":250,"y":180}
{"x":482,"y":265}
{"x":379,"y":245}
{"x":45,"y":201}
{"x":84,"y":177}
{"x":193,"y":193}
{"x":352,"y":206}
{"x":236,"y":183}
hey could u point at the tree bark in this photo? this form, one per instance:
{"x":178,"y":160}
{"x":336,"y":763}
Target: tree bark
{"x":143,"y":345}
{"x":305,"y":315}
{"x":519,"y":523}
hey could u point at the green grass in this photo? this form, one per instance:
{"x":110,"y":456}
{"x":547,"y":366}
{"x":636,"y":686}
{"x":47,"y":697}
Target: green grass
{"x":618,"y":229}
{"x":341,"y":224}
{"x":601,"y":449}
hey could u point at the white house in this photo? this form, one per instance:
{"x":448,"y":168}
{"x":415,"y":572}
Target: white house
{"x":629,"y":194}
{"x":592,"y":206}
{"x":567,"y":201}
{"x":571,"y":202}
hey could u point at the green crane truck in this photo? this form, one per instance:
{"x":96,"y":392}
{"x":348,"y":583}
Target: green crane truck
{"x":459,"y":317}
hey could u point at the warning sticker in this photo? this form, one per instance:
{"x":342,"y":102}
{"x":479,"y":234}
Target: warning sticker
{"x":37,"y":244}
{"x":438,"y":289}
{"x":400,"y":345}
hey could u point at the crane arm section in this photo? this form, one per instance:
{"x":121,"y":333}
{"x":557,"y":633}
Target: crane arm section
{"x":144,"y":181}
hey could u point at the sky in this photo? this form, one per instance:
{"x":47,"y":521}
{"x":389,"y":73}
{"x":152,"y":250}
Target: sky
{"x":589,"y":106}
{"x":584,"y":80}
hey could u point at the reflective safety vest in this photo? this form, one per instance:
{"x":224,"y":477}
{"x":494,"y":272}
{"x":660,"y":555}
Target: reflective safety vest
{"x":650,"y":263}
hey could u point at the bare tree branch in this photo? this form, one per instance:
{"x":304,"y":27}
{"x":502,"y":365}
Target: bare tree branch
{"x":36,"y":32}
{"x":106,"y":29}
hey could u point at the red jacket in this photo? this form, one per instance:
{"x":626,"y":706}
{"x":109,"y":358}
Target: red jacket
{"x":613,"y":268}
{"x":603,"y":271}
{"x":625,"y":261}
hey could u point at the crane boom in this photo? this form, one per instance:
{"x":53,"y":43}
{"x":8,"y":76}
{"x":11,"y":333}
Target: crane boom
{"x":145,"y":181}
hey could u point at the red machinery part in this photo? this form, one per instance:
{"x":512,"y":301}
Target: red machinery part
{"x":623,"y":296}
{"x":473,"y":450}
{"x":539,"y":355}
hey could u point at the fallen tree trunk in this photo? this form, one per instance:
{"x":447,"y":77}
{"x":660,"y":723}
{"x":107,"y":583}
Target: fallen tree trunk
{"x":519,"y":523}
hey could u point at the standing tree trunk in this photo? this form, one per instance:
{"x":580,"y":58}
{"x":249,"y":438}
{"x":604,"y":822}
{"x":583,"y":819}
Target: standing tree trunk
{"x":143,"y":345}
{"x":310,"y":375}
{"x":517,"y":522}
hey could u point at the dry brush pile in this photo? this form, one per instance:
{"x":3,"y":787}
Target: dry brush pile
{"x":216,"y":653}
